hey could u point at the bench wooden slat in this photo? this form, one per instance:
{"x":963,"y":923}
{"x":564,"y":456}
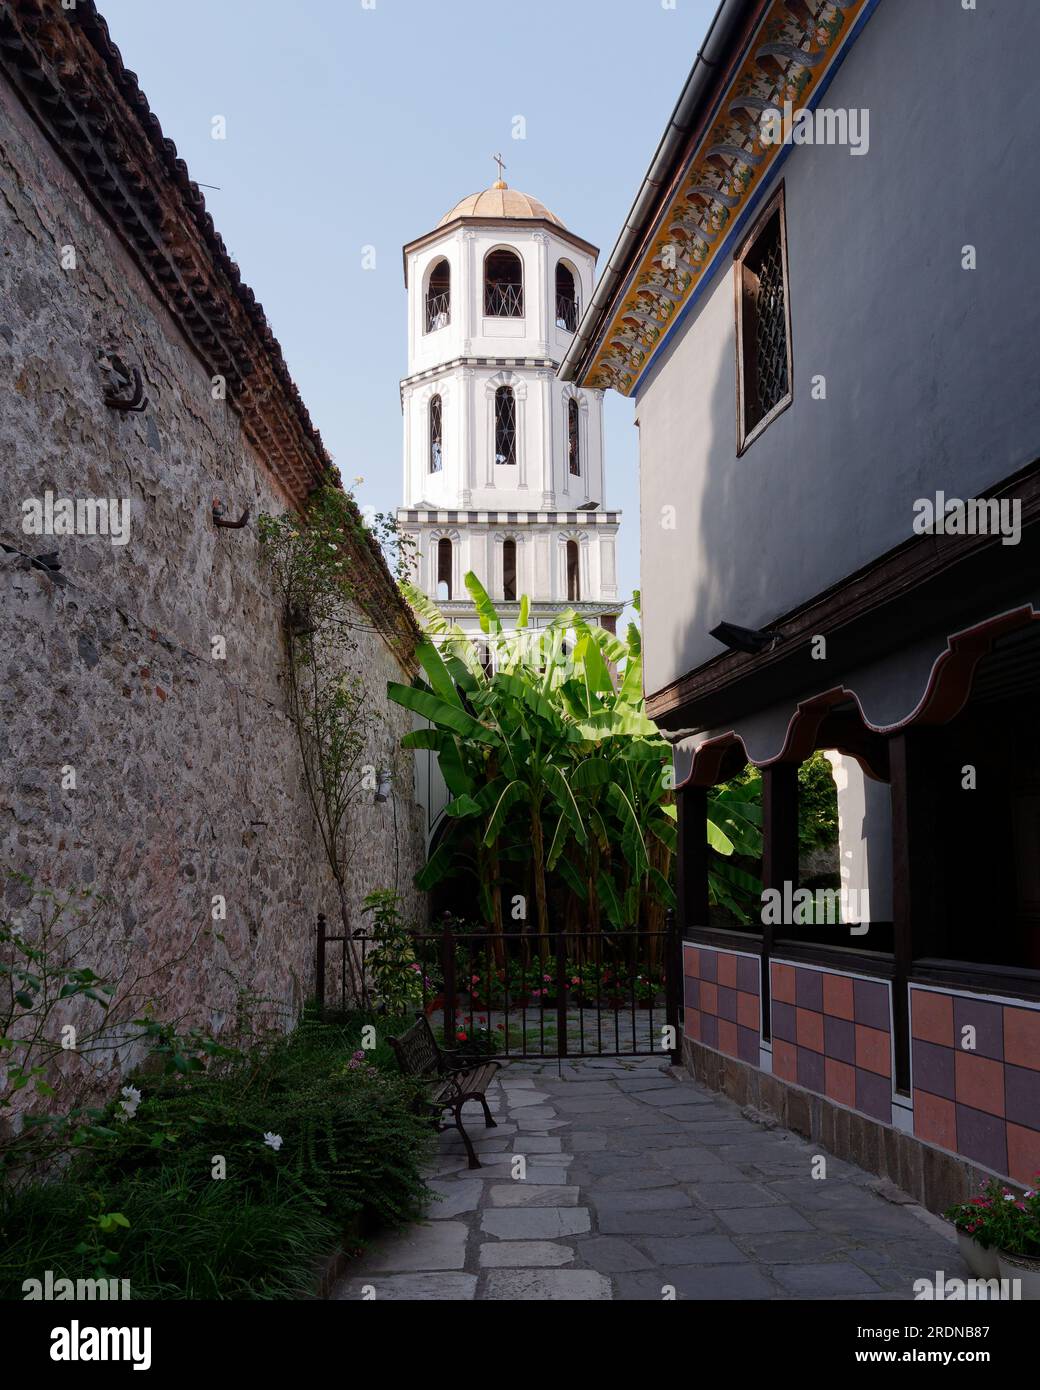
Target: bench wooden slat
{"x":449,"y":1083}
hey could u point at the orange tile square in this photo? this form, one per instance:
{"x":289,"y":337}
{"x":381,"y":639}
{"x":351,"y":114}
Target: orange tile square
{"x":783,"y":982}
{"x":935,"y":1120}
{"x":931,"y":1017}
{"x":785,"y":1060}
{"x":692,"y":1024}
{"x":838,"y":997}
{"x":747,"y":1009}
{"x":728,"y":1037}
{"x":691,"y":962}
{"x":1022,"y":1037}
{"x":1023,"y":1154}
{"x":709,"y":998}
{"x":808,"y":1029}
{"x":979,"y":1082}
{"x":873,"y":1050}
{"x":727,"y":969}
{"x":839,"y":1081}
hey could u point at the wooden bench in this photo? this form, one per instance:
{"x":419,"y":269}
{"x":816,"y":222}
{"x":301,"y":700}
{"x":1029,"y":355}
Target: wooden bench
{"x":450,"y":1078}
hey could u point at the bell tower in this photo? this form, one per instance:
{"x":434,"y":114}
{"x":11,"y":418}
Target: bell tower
{"x":503,"y":463}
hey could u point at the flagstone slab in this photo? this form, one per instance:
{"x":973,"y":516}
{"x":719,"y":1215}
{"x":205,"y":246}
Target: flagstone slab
{"x":455,"y":1198}
{"x":536,"y":1223}
{"x":547,"y":1285}
{"x":527,"y":1194}
{"x":547,"y":1174}
{"x":411,"y":1288}
{"x":700,"y":1283}
{"x":824,"y":1280}
{"x":518,"y":1254}
{"x":536,"y":1144}
{"x":666,"y":1199}
{"x":612,"y":1255}
{"x":757,"y":1220}
{"x":440,"y":1245}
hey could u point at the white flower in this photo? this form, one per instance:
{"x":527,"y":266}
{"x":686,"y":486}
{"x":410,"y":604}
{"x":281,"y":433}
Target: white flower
{"x":273,"y":1141}
{"x":131,"y":1100}
{"x":1009,"y":1196}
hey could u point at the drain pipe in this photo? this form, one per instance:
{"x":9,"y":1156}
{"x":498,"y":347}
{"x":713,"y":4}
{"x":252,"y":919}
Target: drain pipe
{"x":730,"y":19}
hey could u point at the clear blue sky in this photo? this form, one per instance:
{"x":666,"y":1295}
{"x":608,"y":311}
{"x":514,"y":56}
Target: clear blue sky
{"x":349,"y":127}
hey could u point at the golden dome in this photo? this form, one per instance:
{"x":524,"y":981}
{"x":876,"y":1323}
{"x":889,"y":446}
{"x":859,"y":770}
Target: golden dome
{"x":501,"y":202}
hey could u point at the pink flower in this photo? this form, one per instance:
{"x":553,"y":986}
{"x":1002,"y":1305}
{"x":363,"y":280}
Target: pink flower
{"x":575,"y":979}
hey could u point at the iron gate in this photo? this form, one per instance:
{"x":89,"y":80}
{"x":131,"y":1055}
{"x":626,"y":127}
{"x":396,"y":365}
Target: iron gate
{"x":518,"y":994}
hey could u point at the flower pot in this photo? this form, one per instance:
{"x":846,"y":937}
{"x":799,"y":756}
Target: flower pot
{"x":1024,"y":1268}
{"x":982,"y":1261}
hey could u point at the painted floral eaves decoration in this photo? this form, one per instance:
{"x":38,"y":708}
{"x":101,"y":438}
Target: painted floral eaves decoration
{"x":796,"y":45}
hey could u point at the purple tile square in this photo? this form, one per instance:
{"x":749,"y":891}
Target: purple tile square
{"x":783,"y":1018}
{"x":727,"y":1003}
{"x":691,"y":993}
{"x":1022,"y":1096}
{"x":871,"y":1003}
{"x":839,"y":1039}
{"x":808,"y":989}
{"x":874,"y":1095}
{"x":982,"y":1137}
{"x":810,"y":1069}
{"x":709,"y":965}
{"x":933,"y":1069}
{"x":987,"y":1020}
{"x":710,"y":1031}
{"x":749,"y":975}
{"x":748,"y":1045}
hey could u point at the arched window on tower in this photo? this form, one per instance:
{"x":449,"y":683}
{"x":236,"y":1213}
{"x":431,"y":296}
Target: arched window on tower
{"x":505,"y":425}
{"x":444,"y":570}
{"x":438,"y":297}
{"x":573,"y":573}
{"x":436,"y":417}
{"x":566,"y":298}
{"x":509,"y":569}
{"x":503,"y":285}
{"x":573,"y":438}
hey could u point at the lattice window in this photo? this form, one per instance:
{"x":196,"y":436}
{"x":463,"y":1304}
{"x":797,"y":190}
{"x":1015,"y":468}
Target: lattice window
{"x":444,"y":569}
{"x":438,"y":297}
{"x":436,"y":453}
{"x":505,"y":425}
{"x":573,"y":573}
{"x":763,"y":325}
{"x":509,"y":569}
{"x":566,"y":299}
{"x":573,"y":438}
{"x":503,"y":286}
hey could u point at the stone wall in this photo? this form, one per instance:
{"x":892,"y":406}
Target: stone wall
{"x":188,"y":782}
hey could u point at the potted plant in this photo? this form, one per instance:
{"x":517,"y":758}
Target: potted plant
{"x":973,"y":1222}
{"x":1018,"y":1253}
{"x":999,"y":1235}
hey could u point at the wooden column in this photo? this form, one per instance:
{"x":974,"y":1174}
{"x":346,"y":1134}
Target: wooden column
{"x":917,"y":885}
{"x":692,"y":858}
{"x":779,"y":855}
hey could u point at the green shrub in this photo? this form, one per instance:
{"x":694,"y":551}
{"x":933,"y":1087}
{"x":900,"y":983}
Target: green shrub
{"x":315,"y":1139}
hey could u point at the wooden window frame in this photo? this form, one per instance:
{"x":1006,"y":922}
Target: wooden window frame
{"x":745,"y":436}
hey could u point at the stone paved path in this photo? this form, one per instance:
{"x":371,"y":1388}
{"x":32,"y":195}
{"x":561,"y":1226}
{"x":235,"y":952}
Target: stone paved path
{"x":637,"y":1180}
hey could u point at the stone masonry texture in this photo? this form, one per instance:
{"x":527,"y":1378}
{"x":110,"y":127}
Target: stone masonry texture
{"x":188,"y":779}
